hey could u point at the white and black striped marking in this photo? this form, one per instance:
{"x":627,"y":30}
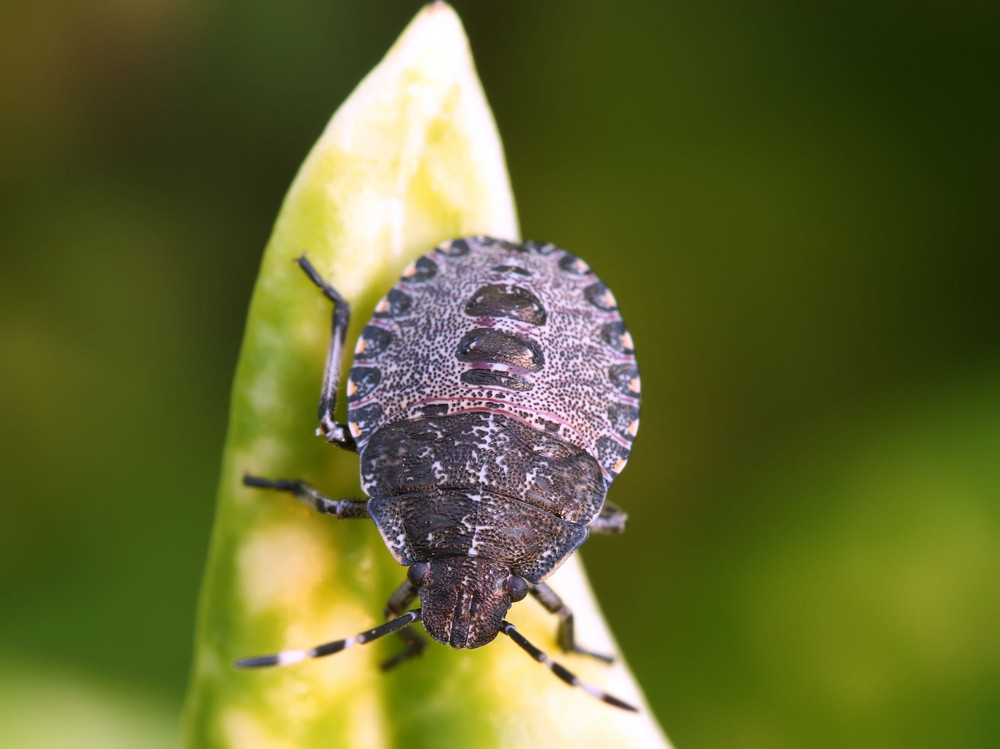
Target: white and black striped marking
{"x":286,"y":657}
{"x":561,"y":671}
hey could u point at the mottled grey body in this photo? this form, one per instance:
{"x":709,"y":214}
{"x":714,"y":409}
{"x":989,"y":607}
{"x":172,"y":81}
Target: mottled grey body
{"x":493,"y":398}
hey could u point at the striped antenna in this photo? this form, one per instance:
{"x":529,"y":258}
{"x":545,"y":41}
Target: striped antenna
{"x":570,"y":678}
{"x":329,"y":648}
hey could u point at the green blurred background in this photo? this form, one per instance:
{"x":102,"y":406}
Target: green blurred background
{"x":797,"y":209}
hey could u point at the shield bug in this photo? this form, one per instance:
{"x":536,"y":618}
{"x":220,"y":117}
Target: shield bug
{"x":493,"y":399}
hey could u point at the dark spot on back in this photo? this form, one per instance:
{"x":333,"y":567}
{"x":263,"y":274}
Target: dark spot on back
{"x":622,"y":415}
{"x":489,"y":378}
{"x":434,"y":409}
{"x":423,"y":270}
{"x":365,"y":380}
{"x":609,"y":453}
{"x":376,"y":341}
{"x":455,"y":248}
{"x":505,"y":300}
{"x":366,"y":417}
{"x":503,"y":244}
{"x":494,"y":346}
{"x":542,"y":248}
{"x":573,"y":265}
{"x":516,"y":269}
{"x":621,"y":376}
{"x":598,"y":295}
{"x":397,"y":303}
{"x":615,"y":335}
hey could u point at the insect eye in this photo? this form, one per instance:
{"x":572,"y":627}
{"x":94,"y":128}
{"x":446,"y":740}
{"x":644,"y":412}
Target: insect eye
{"x":517,"y":588}
{"x":417,"y":573}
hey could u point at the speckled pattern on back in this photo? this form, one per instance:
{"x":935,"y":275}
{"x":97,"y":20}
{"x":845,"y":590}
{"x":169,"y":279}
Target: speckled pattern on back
{"x":493,"y":399}
{"x":481,"y":325}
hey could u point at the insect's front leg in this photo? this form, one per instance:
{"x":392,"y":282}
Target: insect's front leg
{"x":338,"y":508}
{"x":329,"y":427}
{"x":564,"y":634}
{"x":415,"y":641}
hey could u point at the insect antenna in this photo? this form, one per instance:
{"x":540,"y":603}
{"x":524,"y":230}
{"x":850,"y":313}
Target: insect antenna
{"x":559,"y":670}
{"x":329,"y":648}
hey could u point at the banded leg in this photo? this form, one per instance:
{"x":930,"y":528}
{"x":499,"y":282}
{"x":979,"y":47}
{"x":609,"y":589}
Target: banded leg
{"x":565,"y":635}
{"x":415,"y":642}
{"x":611,"y":520}
{"x":329,"y":427}
{"x":329,"y":648}
{"x":343,"y":509}
{"x":561,"y":671}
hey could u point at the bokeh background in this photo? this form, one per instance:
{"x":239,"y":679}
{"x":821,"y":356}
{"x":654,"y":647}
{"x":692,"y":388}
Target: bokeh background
{"x":797,"y":209}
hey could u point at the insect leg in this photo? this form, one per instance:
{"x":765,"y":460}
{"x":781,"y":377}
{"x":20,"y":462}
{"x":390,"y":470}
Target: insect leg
{"x":329,"y":648}
{"x":415,"y":642}
{"x":611,"y":520}
{"x":339,"y":508}
{"x":329,"y":427}
{"x":559,"y":670}
{"x":564,"y":634}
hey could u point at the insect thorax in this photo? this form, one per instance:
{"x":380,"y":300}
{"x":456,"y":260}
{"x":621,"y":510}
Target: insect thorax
{"x":480,"y":484}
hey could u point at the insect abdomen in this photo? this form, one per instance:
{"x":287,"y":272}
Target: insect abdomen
{"x":481,"y":325}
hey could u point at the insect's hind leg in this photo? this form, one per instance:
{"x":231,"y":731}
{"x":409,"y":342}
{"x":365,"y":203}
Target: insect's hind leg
{"x":415,"y":641}
{"x":339,"y":508}
{"x":611,"y":520}
{"x":565,"y":635}
{"x":329,"y":427}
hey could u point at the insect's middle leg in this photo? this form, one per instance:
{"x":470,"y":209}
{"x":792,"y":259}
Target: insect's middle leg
{"x":565,"y":635}
{"x":329,"y":427}
{"x":339,"y":508}
{"x":415,"y":641}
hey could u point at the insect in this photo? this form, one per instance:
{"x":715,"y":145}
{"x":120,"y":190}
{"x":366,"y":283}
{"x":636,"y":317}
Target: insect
{"x":493,"y":398}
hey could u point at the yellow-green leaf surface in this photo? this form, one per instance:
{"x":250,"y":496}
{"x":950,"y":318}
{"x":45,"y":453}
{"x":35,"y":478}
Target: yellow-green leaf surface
{"x":411,"y":159}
